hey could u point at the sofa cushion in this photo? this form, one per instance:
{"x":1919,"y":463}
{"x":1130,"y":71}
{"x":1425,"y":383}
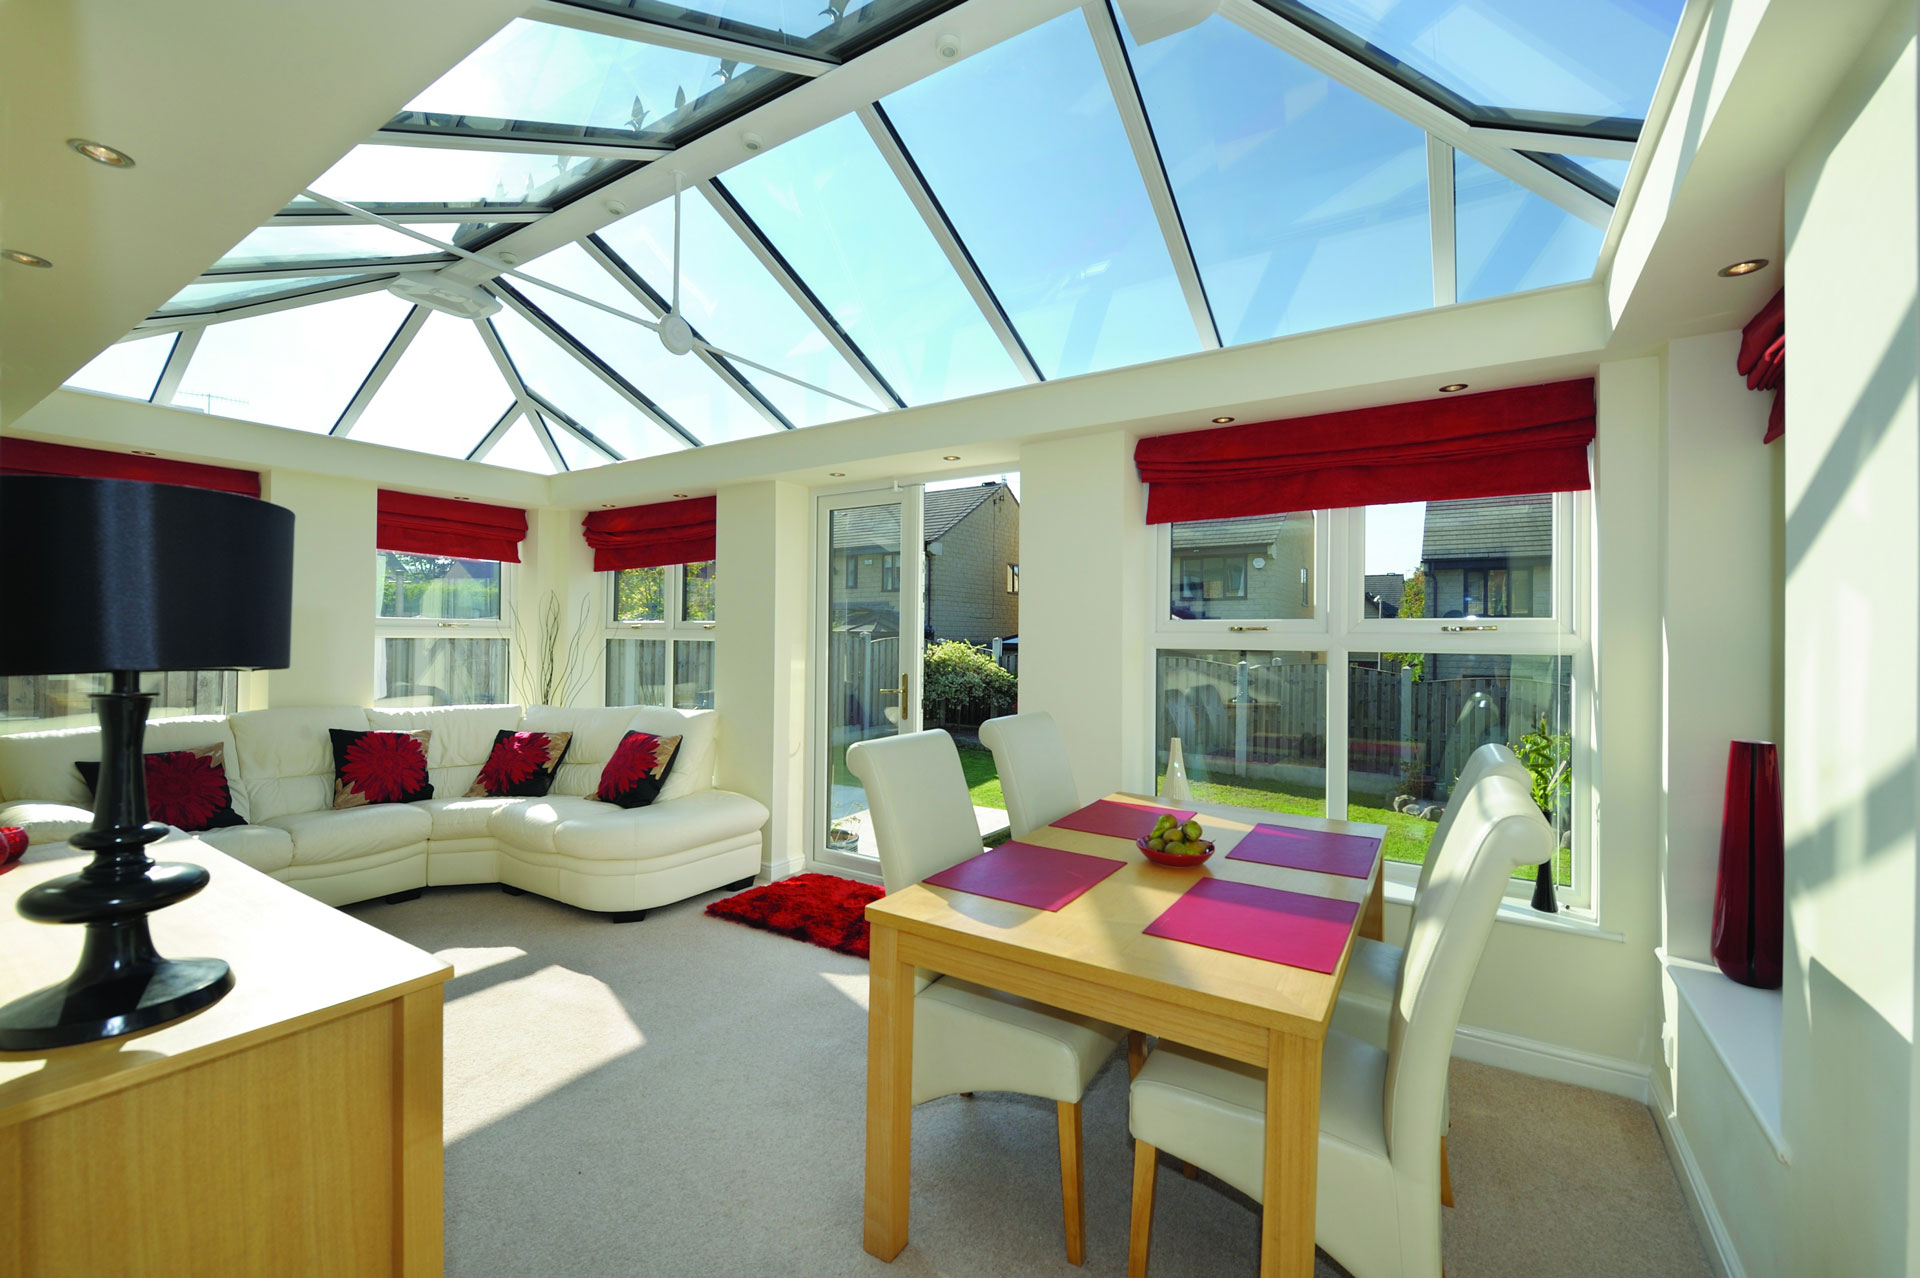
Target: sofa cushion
{"x":522,"y":764}
{"x":264,"y":847}
{"x":663,"y":829}
{"x":639,"y":767}
{"x":354,"y":832}
{"x":186,"y":789}
{"x":699,"y":733}
{"x":595,"y":734}
{"x":462,"y":738}
{"x":286,"y":758}
{"x":379,"y":767}
{"x":39,"y":765}
{"x":530,"y":824}
{"x":47,"y":822}
{"x":463,"y":818}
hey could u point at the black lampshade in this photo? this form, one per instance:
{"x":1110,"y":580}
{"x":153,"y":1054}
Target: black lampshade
{"x":109,"y":574}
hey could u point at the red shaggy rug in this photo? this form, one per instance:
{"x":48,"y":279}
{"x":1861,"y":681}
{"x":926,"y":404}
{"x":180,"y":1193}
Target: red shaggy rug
{"x":820,"y":909}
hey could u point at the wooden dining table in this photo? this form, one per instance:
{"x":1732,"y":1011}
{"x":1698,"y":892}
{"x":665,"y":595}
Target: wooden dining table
{"x":1093,"y":957}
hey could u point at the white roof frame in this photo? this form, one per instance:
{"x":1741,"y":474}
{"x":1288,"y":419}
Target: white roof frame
{"x":644,"y":30}
{"x":530,"y":404}
{"x":377,"y":375}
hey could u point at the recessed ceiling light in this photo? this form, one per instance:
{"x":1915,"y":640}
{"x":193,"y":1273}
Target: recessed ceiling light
{"x":606,"y":505}
{"x":679,"y":494}
{"x":951,"y":457}
{"x":144,"y":452}
{"x":1451,"y":387}
{"x":25,"y":259}
{"x":837,"y":474}
{"x":463,"y":499}
{"x":101,"y":153}
{"x":1221,"y":421}
{"x":1747,"y":267}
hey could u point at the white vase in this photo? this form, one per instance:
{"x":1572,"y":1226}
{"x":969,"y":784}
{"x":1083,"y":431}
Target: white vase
{"x":1174,"y":784}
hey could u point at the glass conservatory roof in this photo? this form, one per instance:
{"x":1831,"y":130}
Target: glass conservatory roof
{"x":1070,"y":200}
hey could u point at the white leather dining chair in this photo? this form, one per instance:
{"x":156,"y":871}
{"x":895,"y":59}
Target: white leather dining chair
{"x":1377,"y":1207}
{"x":967,"y":1038}
{"x":1036,"y":779}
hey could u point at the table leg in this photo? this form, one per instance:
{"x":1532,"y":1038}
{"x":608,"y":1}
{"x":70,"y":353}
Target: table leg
{"x":1292,"y":1156}
{"x":889,"y":1094}
{"x":419,"y":1166}
{"x":1373,"y":915}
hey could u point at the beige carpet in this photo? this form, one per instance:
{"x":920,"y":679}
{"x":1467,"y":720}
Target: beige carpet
{"x":684,"y":1096}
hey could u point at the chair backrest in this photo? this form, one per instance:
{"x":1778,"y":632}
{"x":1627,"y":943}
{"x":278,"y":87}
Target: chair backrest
{"x":1490,"y":758}
{"x":1498,"y":830}
{"x":918,"y":802}
{"x":1035,"y":777}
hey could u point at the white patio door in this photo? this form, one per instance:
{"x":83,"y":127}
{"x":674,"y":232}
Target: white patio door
{"x":868,"y":629}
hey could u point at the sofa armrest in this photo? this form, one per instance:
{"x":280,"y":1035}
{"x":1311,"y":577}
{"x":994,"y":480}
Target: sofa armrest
{"x":46,"y":822}
{"x":661,"y":829}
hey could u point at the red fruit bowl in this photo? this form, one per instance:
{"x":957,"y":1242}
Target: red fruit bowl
{"x":1173,"y":859}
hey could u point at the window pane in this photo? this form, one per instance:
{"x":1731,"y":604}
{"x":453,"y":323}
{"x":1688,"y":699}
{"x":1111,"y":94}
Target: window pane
{"x":1240,"y":568}
{"x":832,"y":207}
{"x":385,"y":177}
{"x":1037,"y":176}
{"x":640,"y":594}
{"x":435,"y":586}
{"x":636,"y":672}
{"x":1252,"y":726}
{"x":731,"y":300}
{"x":443,"y":396}
{"x":1305,"y":202}
{"x":1508,"y":239}
{"x":441,"y":672}
{"x":329,"y":243}
{"x":575,"y":453}
{"x":519,"y":449}
{"x":824,"y":27}
{"x":1476,"y":557}
{"x":66,"y":698}
{"x":1415,"y":718}
{"x":696,"y":597}
{"x":219,"y":295}
{"x":130,"y":369}
{"x":693,"y":674}
{"x":683,"y":387}
{"x":534,"y":79}
{"x":294,"y":368}
{"x":559,"y":378}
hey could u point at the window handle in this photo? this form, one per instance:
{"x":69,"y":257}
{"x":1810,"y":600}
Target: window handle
{"x":707,"y":626}
{"x":1243,"y":629}
{"x":453,"y":625}
{"x":1453,"y":630}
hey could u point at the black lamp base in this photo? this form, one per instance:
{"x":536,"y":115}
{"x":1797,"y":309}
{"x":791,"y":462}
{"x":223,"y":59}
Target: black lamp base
{"x":82,"y":1009}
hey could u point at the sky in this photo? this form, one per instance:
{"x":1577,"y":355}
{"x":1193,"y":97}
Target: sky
{"x":1393,"y":537}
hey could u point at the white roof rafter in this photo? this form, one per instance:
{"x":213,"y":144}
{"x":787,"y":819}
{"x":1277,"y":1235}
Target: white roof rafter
{"x":529,"y":403}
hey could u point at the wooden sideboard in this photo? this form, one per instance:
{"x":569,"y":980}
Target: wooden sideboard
{"x":292,"y":1128}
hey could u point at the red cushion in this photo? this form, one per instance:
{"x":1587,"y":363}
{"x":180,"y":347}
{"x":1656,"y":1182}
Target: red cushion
{"x":380,"y":767}
{"x":185,"y":788}
{"x":521,"y":765}
{"x":637,"y":770}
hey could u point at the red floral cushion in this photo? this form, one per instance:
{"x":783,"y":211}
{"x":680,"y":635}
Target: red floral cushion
{"x":522,"y":764}
{"x":380,"y":767}
{"x":637,"y":770}
{"x":185,"y":788}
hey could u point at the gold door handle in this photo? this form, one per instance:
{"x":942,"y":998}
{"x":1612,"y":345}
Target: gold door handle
{"x":900,"y":692}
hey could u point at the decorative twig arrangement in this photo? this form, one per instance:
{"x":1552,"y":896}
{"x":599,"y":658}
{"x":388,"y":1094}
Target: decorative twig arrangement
{"x":554,"y":668}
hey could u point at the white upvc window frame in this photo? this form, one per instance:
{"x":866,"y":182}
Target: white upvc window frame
{"x":1339,"y":629}
{"x":501,"y":627}
{"x":672,"y":628}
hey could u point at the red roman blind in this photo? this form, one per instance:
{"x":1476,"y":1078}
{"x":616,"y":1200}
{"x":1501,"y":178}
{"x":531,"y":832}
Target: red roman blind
{"x":446,"y":526}
{"x":1532,"y":439}
{"x":1763,"y":360}
{"x":666,"y":532}
{"x":32,"y":457}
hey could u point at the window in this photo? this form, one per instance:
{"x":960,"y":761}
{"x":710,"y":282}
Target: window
{"x":853,"y":572}
{"x":1013,"y":579}
{"x":443,"y":635}
{"x":1479,"y":597}
{"x":44,"y":702}
{"x":889,"y":573}
{"x":659,"y":635}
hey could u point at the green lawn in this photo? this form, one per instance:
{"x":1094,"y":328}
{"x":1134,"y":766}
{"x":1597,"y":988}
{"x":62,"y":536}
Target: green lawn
{"x":983,"y":779}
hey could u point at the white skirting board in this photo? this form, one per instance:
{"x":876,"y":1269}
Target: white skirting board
{"x":1550,"y":1060}
{"x":1706,"y":1217}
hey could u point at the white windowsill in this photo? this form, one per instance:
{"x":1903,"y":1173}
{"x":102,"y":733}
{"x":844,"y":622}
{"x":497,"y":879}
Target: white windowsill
{"x":1744,"y":1026}
{"x":1513,"y":910}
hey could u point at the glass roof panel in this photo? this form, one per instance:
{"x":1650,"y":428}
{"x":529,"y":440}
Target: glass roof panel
{"x":128,"y":369}
{"x":1591,"y":61}
{"x":565,"y":383}
{"x":535,"y":79}
{"x":827,"y":28}
{"x":1036,"y":174}
{"x":576,"y":454}
{"x":731,"y":300}
{"x":385,"y":178}
{"x":1305,"y":202}
{"x":519,"y":449}
{"x":215,"y":295}
{"x":340,"y":243}
{"x":830,"y":205}
{"x":682,"y":386}
{"x":443,"y":396}
{"x":1508,"y":239}
{"x":296,"y":368}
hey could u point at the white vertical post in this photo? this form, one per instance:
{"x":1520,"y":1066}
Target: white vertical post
{"x":1240,"y":704}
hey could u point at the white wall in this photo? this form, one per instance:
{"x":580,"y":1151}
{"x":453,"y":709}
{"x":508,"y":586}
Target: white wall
{"x":334,"y":594}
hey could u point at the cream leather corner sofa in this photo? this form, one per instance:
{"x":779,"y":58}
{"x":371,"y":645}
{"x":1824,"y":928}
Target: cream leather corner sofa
{"x":566,"y":845}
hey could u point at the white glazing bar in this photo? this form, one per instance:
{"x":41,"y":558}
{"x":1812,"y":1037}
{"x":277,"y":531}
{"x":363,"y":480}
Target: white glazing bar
{"x":601,"y":22}
{"x":1551,"y":143}
{"x":516,"y":146}
{"x":377,"y":375}
{"x":333,"y":217}
{"x":1440,"y":218}
{"x":200,"y":319}
{"x":525,"y":398}
{"x":492,"y":438}
{"x":176,"y":367}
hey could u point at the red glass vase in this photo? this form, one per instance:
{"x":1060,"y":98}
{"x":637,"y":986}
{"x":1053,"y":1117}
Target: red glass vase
{"x":1749,"y":910}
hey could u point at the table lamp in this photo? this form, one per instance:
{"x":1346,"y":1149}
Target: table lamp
{"x":122,"y":577}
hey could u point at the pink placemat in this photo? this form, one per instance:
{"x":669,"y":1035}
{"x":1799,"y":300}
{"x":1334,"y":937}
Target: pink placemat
{"x":1026,"y":874}
{"x":1319,"y":850}
{"x":1260,"y":922}
{"x":1118,"y":820}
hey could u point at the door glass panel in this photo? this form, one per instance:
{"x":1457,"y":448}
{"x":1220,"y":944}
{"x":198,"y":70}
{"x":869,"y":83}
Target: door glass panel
{"x":863,"y":659}
{"x":1252,"y":727}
